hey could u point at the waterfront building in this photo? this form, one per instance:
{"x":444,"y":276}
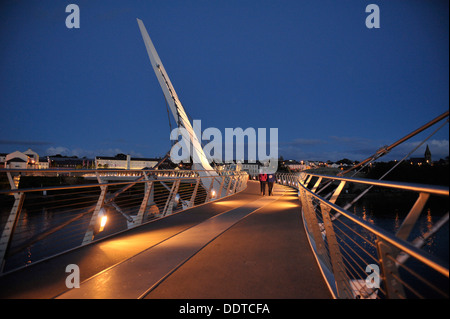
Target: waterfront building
{"x":20,"y":160}
{"x":122,"y":161}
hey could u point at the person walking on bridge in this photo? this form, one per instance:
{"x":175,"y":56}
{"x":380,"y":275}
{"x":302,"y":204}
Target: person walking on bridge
{"x":270,"y":181}
{"x":263,"y":182}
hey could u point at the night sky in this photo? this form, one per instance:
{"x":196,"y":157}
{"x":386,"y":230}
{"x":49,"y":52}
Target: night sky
{"x":334,"y":88}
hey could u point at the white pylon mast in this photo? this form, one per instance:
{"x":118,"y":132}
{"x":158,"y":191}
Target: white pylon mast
{"x":199,"y":159}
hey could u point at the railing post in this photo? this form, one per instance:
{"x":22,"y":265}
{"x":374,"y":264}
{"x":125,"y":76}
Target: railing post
{"x":89,"y":235}
{"x":148,"y":196}
{"x":410,"y":220}
{"x":235,"y":184}
{"x":5,"y":240}
{"x":239,"y":182}
{"x":11,"y":223}
{"x":386,"y":254}
{"x":243,"y":181}
{"x":308,"y":180}
{"x":316,"y":185}
{"x":313,"y":226}
{"x":229,"y":184}
{"x":208,"y":194}
{"x":194,"y":193}
{"x":221,"y":186}
{"x":340,"y":274}
{"x":302,"y":178}
{"x":168,"y":207}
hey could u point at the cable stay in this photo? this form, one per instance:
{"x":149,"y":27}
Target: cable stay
{"x":412,"y":216}
{"x":386,"y":149}
{"x":397,"y":164}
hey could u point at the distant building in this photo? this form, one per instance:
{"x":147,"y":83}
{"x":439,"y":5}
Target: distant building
{"x":422,"y":160}
{"x":428,"y":155}
{"x":59,"y":161}
{"x":17,"y":159}
{"x":251,"y":168}
{"x":122,"y":161}
{"x":295,"y":166}
{"x":44,"y":163}
{"x":21,"y":160}
{"x":29,"y":159}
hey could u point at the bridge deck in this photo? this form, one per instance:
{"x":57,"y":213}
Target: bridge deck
{"x":245,"y":246}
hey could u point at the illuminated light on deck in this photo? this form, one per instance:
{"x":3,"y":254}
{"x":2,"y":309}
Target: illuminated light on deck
{"x":103,"y":218}
{"x":103,"y":221}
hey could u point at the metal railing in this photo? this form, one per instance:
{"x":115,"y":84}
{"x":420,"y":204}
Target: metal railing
{"x":44,"y":213}
{"x":360,"y":258}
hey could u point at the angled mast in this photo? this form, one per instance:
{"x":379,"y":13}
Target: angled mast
{"x":199,"y":159}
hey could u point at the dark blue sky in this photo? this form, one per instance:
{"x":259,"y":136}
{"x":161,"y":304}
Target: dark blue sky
{"x":312,"y":69}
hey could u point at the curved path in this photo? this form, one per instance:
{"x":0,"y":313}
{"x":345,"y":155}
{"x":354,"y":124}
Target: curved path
{"x":245,"y":246}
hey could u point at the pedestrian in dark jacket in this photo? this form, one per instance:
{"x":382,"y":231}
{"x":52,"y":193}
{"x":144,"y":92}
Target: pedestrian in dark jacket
{"x":270,"y":181}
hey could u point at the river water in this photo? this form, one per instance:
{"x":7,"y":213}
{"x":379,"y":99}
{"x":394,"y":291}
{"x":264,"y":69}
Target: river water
{"x":388,"y":213}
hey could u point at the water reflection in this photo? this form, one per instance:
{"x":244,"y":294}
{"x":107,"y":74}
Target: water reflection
{"x":397,"y":221}
{"x":367,"y":216}
{"x":390,"y":216}
{"x":425,"y":228}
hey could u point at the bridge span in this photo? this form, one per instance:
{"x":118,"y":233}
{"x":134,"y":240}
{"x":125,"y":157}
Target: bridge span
{"x":244,"y":246}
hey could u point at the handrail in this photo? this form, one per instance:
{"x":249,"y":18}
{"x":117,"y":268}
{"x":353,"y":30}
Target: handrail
{"x":399,"y":243}
{"x":386,"y":149}
{"x":40,"y":189}
{"x":338,"y":238}
{"x":100,"y":170}
{"x":430,"y":189}
{"x":73,"y":212}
